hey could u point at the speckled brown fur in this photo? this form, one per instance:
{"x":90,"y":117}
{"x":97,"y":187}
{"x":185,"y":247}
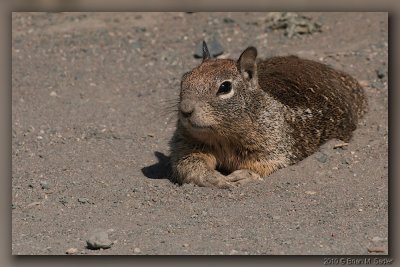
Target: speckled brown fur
{"x":277,"y":112}
{"x":333,"y":98}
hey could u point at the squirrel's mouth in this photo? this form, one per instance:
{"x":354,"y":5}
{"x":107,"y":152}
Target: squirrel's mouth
{"x":195,"y":125}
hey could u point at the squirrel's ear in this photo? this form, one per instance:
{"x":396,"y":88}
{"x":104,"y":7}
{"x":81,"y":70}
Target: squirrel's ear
{"x":247,"y":62}
{"x":206,"y":53}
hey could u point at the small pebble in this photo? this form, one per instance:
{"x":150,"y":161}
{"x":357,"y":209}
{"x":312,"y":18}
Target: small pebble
{"x":321,"y":157}
{"x":381,"y":73}
{"x":233,"y":252}
{"x":53,"y":93}
{"x":214,"y":47}
{"x":376,"y":249}
{"x":141,"y":29}
{"x":98,"y":239}
{"x":71,"y":251}
{"x":185,"y":245}
{"x":44,"y":185}
{"x":364,"y":83}
{"x":83,"y":200}
{"x":63,"y":200}
{"x":228,"y":20}
{"x":310,"y":192}
{"x":346,"y":161}
{"x":137,"y":250}
{"x":137,"y":45}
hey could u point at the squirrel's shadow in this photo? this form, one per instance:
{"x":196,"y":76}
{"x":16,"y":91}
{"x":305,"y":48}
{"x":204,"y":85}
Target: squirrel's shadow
{"x":160,"y":170}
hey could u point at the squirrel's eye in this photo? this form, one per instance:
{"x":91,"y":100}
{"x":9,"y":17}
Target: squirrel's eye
{"x":224,"y":88}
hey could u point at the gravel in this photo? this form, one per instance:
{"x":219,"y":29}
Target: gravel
{"x":82,"y":162}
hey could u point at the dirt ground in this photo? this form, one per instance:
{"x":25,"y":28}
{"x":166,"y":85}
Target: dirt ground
{"x":91,"y":125}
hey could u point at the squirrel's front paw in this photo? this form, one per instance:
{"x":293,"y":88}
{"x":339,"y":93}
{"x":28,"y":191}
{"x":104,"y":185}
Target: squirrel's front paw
{"x":243,"y":176}
{"x":215,"y":179}
{"x":209,"y":179}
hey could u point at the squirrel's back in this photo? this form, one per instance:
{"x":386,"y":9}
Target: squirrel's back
{"x":314,"y":94}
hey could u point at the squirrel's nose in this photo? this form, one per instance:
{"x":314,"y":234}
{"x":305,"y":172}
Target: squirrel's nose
{"x":187,"y":108}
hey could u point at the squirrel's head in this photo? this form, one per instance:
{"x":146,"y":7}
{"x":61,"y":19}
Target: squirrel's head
{"x":215,"y":96}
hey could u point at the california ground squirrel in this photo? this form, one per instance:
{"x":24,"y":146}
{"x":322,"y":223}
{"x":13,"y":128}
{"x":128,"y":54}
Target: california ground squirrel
{"x":248,"y":118}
